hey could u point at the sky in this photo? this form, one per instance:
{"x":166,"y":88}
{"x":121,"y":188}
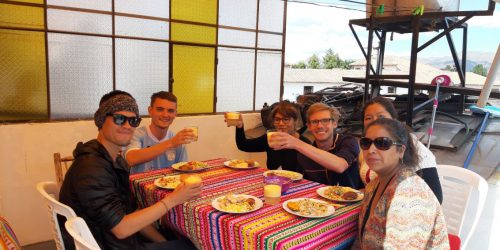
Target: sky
{"x":313,"y":29}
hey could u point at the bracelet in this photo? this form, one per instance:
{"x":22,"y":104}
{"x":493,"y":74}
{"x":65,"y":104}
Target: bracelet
{"x":164,"y":204}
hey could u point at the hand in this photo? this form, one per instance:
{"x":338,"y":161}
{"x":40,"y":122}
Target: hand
{"x":184,"y":193}
{"x":282,"y":140}
{"x":184,"y":136}
{"x":239,"y":123}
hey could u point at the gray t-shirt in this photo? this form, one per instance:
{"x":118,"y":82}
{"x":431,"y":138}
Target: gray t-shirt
{"x":143,"y":138}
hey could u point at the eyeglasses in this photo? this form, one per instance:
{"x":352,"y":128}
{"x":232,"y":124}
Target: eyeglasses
{"x":381,"y":143}
{"x":120,"y":119}
{"x":284,"y":120}
{"x":323,"y":121}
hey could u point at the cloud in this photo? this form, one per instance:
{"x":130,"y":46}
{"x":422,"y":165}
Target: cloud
{"x":313,"y":29}
{"x":486,"y":21}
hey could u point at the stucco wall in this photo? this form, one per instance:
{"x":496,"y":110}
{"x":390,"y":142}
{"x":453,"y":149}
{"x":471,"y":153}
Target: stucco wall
{"x":26,"y":158}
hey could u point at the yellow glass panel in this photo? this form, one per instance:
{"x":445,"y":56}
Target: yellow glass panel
{"x":203,"y":11}
{"x":193,"y":33}
{"x":22,"y":75}
{"x":193,"y":73}
{"x":21,"y":16}
{"x":30,"y":1}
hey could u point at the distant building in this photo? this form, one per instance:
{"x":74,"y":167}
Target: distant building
{"x":298,"y":81}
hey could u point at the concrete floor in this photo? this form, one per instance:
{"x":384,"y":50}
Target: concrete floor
{"x":485,"y":162}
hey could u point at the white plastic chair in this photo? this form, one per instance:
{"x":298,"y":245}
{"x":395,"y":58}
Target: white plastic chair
{"x":78,"y":229}
{"x":459,"y":185}
{"x":50,"y":191}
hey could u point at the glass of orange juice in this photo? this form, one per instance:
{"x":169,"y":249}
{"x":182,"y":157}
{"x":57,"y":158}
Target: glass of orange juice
{"x":270,"y":132}
{"x":232,"y":118}
{"x":272,"y":194}
{"x":191,"y":179}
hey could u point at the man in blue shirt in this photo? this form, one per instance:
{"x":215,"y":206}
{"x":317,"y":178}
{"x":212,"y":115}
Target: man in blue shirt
{"x":154,"y":146}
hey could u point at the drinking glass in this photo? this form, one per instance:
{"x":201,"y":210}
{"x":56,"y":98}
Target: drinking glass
{"x":272,"y":194}
{"x":232,"y":118}
{"x":269,"y":133}
{"x":195,"y":132}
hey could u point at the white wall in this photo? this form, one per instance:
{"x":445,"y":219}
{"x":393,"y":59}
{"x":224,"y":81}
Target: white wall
{"x":26,"y":158}
{"x":292,"y":90}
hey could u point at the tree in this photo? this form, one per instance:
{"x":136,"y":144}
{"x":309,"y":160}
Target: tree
{"x":299,"y":65}
{"x":313,"y":62}
{"x":450,"y":68}
{"x":480,"y":70}
{"x":346,"y":64}
{"x":331,"y":60}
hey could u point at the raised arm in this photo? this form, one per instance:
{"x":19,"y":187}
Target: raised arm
{"x":258,"y":144}
{"x":322,"y":157}
{"x":136,"y":154}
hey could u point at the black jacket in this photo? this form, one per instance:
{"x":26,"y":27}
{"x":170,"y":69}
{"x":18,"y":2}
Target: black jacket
{"x":98,"y":190}
{"x":286,"y":158}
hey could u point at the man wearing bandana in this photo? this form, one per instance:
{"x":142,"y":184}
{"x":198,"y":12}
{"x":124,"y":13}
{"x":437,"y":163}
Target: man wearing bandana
{"x":96,"y":185}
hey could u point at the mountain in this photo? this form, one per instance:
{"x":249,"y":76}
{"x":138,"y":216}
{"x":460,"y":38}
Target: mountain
{"x":473,"y":58}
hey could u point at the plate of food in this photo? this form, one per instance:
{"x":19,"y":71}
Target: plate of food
{"x":339,"y":193}
{"x":308,"y":207}
{"x":190,"y":166}
{"x":237,"y":203}
{"x":168,"y":182}
{"x":294,"y":176}
{"x":242,"y":164}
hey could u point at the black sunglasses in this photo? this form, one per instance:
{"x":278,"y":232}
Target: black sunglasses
{"x":120,"y":119}
{"x":381,"y":143}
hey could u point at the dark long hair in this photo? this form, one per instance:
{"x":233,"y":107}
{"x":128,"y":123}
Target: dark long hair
{"x":384,"y":102}
{"x":400,"y":134}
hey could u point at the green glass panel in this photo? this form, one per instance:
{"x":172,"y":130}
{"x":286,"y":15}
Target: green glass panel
{"x":22,"y":75}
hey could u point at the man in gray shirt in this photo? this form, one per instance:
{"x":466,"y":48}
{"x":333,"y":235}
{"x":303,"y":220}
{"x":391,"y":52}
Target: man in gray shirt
{"x":155,"y":146}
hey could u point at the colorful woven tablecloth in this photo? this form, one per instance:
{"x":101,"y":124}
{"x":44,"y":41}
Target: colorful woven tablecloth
{"x":270,"y":227}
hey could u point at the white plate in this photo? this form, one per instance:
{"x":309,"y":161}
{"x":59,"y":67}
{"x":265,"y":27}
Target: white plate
{"x":228,"y":164}
{"x":330,"y":209}
{"x":202,"y":167}
{"x":294,"y":176}
{"x":171,"y":185}
{"x":258,"y":204}
{"x":321,"y":192}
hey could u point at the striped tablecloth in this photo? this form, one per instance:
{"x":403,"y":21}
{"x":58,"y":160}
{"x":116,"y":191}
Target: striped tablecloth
{"x":270,"y":227}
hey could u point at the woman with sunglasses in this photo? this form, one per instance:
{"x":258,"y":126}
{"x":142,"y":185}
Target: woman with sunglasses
{"x":399,"y":210}
{"x":285,"y":118}
{"x":381,"y":107}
